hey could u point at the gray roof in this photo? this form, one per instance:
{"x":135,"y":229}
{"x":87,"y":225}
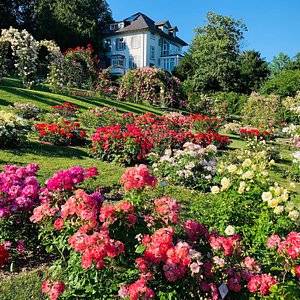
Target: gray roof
{"x":140,"y":21}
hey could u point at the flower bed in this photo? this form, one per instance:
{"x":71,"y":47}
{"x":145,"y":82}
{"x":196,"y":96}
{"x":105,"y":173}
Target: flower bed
{"x":13,"y":130}
{"x":62,"y":133}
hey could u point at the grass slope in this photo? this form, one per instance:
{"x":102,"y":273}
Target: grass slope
{"x":11,"y":92}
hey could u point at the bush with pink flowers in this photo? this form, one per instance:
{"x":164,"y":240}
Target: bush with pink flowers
{"x":140,"y":248}
{"x":19,"y":193}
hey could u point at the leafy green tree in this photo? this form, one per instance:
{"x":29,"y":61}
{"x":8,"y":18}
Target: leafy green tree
{"x":279,"y":63}
{"x":7,"y":13}
{"x":287,"y":83}
{"x":72,"y":22}
{"x":215,"y":52}
{"x":185,"y":67}
{"x":253,"y":71}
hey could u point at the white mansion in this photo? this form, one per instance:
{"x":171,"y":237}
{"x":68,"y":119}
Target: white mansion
{"x":138,"y":42}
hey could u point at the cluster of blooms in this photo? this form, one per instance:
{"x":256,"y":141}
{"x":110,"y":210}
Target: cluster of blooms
{"x":53,"y":289}
{"x":150,"y":84}
{"x":194,"y":166}
{"x":243,"y":171}
{"x":104,"y":82}
{"x":290,"y":130}
{"x":205,"y":123}
{"x":149,"y":132}
{"x":67,"y":109}
{"x":138,"y":289}
{"x":69,"y":179}
{"x":260,"y":134}
{"x":4,"y":256}
{"x":232,"y":128}
{"x":128,"y":145}
{"x":296,"y":166}
{"x":293,"y":104}
{"x":137,"y":178}
{"x":25,"y":110}
{"x":95,"y":247}
{"x":109,"y":214}
{"x":75,"y":57}
{"x":62,"y":133}
{"x":278,"y":198}
{"x":228,"y":245}
{"x":290,"y":246}
{"x":18,"y":189}
{"x":25,"y":51}
{"x":261,"y":282}
{"x":13,"y":129}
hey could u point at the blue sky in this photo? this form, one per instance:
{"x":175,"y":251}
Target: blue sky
{"x":273,"y":25}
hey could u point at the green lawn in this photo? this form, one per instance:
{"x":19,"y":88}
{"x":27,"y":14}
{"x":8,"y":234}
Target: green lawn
{"x":11,"y":92}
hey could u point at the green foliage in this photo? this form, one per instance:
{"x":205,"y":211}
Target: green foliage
{"x":71,"y":23}
{"x":253,"y":71}
{"x":279,"y":63}
{"x":261,"y":110}
{"x":215,"y":50}
{"x":285,"y":84}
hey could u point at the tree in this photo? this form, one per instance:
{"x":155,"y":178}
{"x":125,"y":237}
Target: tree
{"x":253,"y":71}
{"x":279,"y":63}
{"x":215,"y":51}
{"x":7,"y":13}
{"x":72,"y":23}
{"x":185,"y":67}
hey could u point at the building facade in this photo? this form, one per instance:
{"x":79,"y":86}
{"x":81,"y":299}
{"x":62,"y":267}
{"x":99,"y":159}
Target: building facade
{"x":138,"y":42}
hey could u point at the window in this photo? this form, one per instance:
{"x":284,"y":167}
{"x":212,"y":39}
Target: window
{"x":120,"y":44}
{"x":152,"y":52}
{"x":114,"y":26}
{"x":134,"y":62}
{"x":107,"y":45}
{"x":169,"y":64}
{"x":165,"y":48}
{"x":135,"y":42}
{"x":118,"y":61}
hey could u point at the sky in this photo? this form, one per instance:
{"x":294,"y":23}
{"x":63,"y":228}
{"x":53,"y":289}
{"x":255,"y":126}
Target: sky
{"x":273,"y":25}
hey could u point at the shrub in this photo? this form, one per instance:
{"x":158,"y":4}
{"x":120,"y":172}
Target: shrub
{"x":285,"y":84}
{"x":193,"y":167}
{"x":155,"y":86}
{"x":66,"y":110}
{"x":25,"y":110}
{"x":261,"y":111}
{"x":139,"y":248}
{"x":62,"y":133}
{"x":13,"y":130}
{"x":19,"y":195}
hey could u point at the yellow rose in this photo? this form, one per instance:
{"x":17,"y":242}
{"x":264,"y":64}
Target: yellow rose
{"x":232,"y":168}
{"x":278,"y":209}
{"x":225,"y":182}
{"x":215,"y":190}
{"x":266,"y":196}
{"x":273,"y":203}
{"x":248,"y":175}
{"x":294,"y":215}
{"x":289,"y":206}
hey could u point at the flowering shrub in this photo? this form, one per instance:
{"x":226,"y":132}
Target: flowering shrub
{"x":104,"y":82}
{"x":81,"y":66}
{"x":254,"y":133}
{"x":261,"y":111}
{"x":13,"y":130}
{"x":232,"y":128}
{"x":66,"y":110}
{"x":4,"y":256}
{"x":18,"y":195}
{"x":105,"y":116}
{"x":25,"y":110}
{"x":193,"y":167}
{"x":25,"y":51}
{"x":202,"y":123}
{"x":155,"y":86}
{"x":127,"y":146}
{"x":295,"y":168}
{"x":134,"y":250}
{"x":62,"y":133}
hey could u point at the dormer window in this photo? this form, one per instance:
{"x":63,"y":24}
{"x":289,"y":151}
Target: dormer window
{"x":116,"y":26}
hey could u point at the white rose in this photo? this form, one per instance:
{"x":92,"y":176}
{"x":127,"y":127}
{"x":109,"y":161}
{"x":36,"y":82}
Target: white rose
{"x":215,"y":190}
{"x":266,"y":196}
{"x":230,"y":230}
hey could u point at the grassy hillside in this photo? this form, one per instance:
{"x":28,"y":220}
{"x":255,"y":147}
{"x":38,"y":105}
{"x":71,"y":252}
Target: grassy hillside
{"x":11,"y":92}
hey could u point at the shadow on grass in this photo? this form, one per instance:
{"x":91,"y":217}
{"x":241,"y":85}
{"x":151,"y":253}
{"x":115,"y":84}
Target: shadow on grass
{"x":41,"y":149}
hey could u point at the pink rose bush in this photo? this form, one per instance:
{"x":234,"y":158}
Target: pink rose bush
{"x":144,"y":244}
